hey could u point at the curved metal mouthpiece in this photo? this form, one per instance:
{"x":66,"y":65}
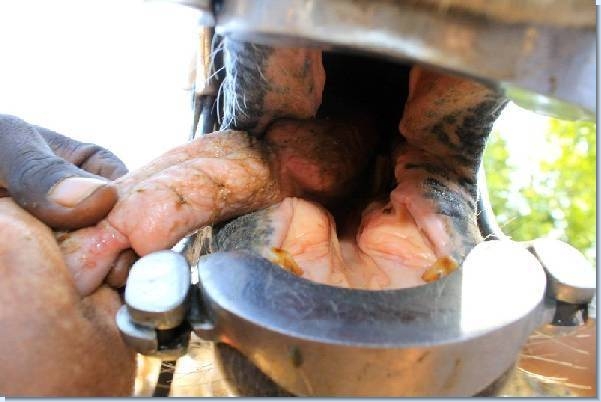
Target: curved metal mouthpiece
{"x":451,"y":337}
{"x":454,"y":336}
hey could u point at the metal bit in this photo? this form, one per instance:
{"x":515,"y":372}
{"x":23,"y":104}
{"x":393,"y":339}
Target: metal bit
{"x":140,"y":338}
{"x":571,"y":281}
{"x":571,"y":278}
{"x":152,"y":321}
{"x":156,"y":290}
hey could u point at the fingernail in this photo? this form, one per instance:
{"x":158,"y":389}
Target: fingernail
{"x":73,"y":190}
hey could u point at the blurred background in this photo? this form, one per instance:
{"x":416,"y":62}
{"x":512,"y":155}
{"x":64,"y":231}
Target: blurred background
{"x":115,"y":73}
{"x":541,"y":175}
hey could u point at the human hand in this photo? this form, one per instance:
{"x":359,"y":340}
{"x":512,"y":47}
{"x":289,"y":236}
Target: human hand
{"x":53,"y":341}
{"x":64,"y":183}
{"x":59,"y":180}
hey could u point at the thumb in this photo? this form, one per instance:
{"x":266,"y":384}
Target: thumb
{"x":52,"y":189}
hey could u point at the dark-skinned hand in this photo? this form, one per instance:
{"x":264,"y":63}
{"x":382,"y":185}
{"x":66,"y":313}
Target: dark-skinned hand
{"x":64,"y":183}
{"x":53,"y":340}
{"x":60,"y":181}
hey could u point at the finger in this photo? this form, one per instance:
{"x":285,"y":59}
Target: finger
{"x":117,"y":276}
{"x":52,"y":189}
{"x":90,"y":157}
{"x":90,"y":253}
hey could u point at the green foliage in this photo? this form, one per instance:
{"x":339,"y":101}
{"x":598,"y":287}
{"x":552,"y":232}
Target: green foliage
{"x":559,"y":200}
